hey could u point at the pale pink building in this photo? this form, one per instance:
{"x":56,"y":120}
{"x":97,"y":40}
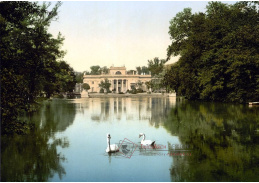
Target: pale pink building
{"x":119,"y":79}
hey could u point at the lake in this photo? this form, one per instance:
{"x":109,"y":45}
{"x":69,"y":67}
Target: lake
{"x":195,"y":141}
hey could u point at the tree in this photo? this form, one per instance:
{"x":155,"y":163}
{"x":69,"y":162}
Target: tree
{"x":85,"y":86}
{"x":95,"y":70}
{"x":131,"y":72}
{"x":79,"y":77}
{"x":104,"y":70}
{"x":86,"y":73}
{"x":105,"y":85}
{"x":145,"y":70}
{"x":66,"y":77}
{"x":139,"y":70}
{"x":139,"y":84}
{"x":156,"y":66}
{"x":219,"y":53}
{"x":142,"y":70}
{"x":148,"y":84}
{"x":30,"y":56}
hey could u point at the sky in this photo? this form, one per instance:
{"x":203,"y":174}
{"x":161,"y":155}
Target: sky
{"x":117,"y":33}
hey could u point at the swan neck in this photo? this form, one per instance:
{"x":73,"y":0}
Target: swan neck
{"x":108,"y":143}
{"x":144,"y":137}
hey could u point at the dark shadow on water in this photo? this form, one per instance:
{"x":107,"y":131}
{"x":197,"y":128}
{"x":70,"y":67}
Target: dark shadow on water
{"x":223,"y":138}
{"x":35,"y":157}
{"x":31,"y":158}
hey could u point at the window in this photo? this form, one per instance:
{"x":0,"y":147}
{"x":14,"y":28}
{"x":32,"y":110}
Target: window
{"x":118,"y":73}
{"x":92,"y":82}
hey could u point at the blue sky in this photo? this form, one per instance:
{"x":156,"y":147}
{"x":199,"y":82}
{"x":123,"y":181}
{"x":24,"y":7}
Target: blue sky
{"x":117,"y":33}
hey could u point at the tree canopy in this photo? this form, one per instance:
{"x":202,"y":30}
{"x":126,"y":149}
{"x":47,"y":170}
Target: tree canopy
{"x":85,"y":86}
{"x":219,"y":52}
{"x":105,"y":85}
{"x":156,"y":66}
{"x":142,"y":70}
{"x":31,"y":58}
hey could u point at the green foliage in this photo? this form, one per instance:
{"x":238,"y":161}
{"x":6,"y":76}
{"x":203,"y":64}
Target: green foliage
{"x":101,"y":90}
{"x":104,"y":70}
{"x":95,"y":70}
{"x":139,"y":84}
{"x":219,"y":53}
{"x":34,"y":157}
{"x":85,"y":86}
{"x":133,"y":91}
{"x":148,"y":84}
{"x":87,"y":72}
{"x":156,"y":66}
{"x":139,"y":70}
{"x":133,"y":87}
{"x":79,"y":77}
{"x":139,"y":90}
{"x":66,"y":77}
{"x":30,"y":57}
{"x":105,"y":85}
{"x":222,"y":139}
{"x":145,"y":70}
{"x":142,"y":70}
{"x":131,"y":72}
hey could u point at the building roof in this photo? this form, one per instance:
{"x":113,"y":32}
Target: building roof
{"x":117,"y":68}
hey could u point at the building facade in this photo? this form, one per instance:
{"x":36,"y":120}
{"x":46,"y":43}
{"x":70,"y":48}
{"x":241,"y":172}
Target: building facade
{"x":120,"y":80}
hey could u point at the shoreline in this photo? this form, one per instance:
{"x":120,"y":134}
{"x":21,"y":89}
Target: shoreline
{"x":110,"y":95}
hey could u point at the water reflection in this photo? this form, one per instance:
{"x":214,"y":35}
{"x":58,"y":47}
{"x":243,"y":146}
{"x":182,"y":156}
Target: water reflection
{"x":70,"y":141}
{"x":31,"y":158}
{"x":224,"y":139}
{"x":54,"y":116}
{"x":34,"y":157}
{"x":155,"y":110}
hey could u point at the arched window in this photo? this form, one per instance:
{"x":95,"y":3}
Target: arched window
{"x":118,"y":73}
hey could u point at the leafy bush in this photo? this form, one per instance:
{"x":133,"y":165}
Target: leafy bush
{"x":139,"y":90}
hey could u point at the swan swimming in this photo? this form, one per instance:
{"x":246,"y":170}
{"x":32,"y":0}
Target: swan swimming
{"x":111,"y":148}
{"x":146,"y":142}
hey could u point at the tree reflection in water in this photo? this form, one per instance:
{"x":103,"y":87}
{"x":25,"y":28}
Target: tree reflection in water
{"x":34,"y":157}
{"x":30,"y":158}
{"x":223,"y":138}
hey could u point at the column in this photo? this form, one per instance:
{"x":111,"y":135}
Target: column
{"x":124,"y":85}
{"x":111,"y":84}
{"x":117,"y":86}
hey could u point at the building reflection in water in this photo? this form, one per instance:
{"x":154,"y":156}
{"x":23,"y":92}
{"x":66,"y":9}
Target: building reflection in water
{"x":107,"y":109}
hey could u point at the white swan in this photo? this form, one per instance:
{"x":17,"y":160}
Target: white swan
{"x":146,"y":142}
{"x":111,"y":148}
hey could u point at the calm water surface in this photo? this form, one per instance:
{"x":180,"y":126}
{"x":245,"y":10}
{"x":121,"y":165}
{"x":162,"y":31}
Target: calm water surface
{"x":221,"y":142}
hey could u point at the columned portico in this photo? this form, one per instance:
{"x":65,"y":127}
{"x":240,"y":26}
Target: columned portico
{"x":117,"y":86}
{"x":119,"y":79}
